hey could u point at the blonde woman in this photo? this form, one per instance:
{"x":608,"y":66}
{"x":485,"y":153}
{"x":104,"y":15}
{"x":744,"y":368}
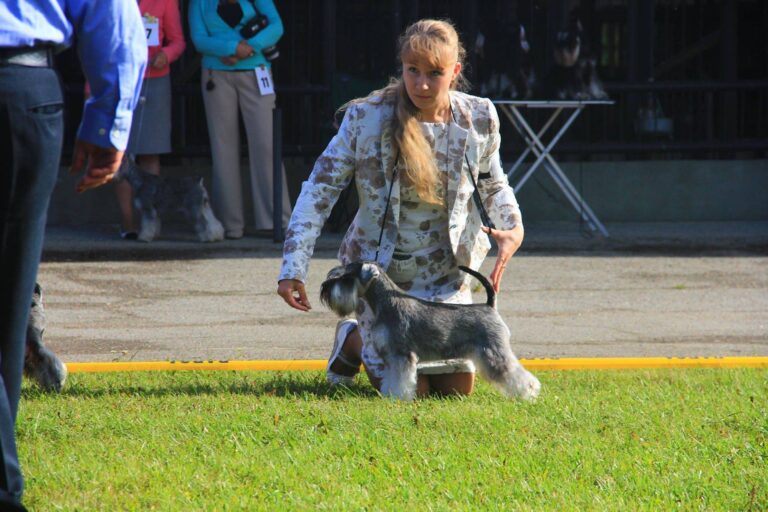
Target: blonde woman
{"x":417,"y":149}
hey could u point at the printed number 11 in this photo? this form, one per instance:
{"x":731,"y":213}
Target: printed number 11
{"x":265,"y":82}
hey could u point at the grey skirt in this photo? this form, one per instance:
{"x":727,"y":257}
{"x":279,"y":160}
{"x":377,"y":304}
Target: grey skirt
{"x":151,"y":128}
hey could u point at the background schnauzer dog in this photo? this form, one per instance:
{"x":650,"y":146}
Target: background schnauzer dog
{"x":40,"y":364}
{"x":504,"y":62}
{"x":187,"y":194}
{"x":407,"y":329}
{"x":574,"y":75}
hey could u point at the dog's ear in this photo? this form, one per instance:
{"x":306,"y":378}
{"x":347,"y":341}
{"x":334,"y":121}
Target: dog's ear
{"x":336,"y":272}
{"x":369,"y":271}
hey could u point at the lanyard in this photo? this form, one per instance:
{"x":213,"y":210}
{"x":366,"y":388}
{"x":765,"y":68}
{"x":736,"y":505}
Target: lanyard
{"x":484,"y":217}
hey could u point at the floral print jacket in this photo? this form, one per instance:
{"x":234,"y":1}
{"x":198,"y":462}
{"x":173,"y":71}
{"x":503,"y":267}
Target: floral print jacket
{"x":363,"y":148}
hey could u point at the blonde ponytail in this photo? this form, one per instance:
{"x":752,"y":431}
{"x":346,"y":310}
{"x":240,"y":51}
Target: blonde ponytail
{"x":416,"y":155}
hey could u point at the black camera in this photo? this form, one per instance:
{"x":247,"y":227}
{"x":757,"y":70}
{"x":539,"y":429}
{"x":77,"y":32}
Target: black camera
{"x":253,"y":27}
{"x":270,"y":52}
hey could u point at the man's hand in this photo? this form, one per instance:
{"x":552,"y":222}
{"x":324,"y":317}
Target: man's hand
{"x":508,"y":243}
{"x":160,"y":60}
{"x":101,"y":164}
{"x":293,"y":293}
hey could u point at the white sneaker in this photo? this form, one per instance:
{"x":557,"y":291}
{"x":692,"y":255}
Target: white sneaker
{"x":343,"y":328}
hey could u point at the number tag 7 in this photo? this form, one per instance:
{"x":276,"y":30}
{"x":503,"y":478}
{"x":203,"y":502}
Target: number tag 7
{"x":152,"y":28}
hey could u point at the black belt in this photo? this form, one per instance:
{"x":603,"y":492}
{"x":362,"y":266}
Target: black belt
{"x":28,"y":56}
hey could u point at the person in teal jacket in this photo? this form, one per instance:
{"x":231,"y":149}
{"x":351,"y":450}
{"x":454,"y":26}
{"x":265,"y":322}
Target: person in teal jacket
{"x":237,"y":78}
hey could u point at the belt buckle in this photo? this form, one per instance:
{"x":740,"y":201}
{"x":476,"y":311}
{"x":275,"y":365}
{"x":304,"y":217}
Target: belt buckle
{"x":34,"y":57}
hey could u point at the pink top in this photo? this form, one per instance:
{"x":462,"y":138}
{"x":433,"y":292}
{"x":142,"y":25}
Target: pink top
{"x":170,"y":33}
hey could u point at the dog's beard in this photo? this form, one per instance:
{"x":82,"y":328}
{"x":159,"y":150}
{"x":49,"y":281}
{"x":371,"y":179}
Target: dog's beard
{"x":340,"y":295}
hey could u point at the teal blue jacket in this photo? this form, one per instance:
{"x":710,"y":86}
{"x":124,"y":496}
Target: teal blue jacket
{"x":214,"y":38}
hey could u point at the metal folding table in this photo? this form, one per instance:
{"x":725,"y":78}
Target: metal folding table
{"x":543,"y":153}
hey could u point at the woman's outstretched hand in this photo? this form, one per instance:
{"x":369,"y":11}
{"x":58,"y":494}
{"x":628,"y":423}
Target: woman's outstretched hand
{"x":293,"y":293}
{"x":508,"y":242}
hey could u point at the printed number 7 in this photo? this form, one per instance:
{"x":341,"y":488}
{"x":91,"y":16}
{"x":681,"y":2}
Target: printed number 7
{"x":149,"y":32}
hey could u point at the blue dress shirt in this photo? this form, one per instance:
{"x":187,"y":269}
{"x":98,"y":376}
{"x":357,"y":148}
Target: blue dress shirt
{"x":112,"y":46}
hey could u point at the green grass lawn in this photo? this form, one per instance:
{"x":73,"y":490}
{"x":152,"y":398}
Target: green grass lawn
{"x":595,"y":440}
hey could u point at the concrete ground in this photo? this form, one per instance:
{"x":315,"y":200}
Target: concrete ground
{"x":658,"y":289}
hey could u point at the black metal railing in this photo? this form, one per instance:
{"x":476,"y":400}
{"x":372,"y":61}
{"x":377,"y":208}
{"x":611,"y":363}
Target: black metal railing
{"x":667,"y":120}
{"x":655,"y":120}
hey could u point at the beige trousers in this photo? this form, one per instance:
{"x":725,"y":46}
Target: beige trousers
{"x":237,"y":92}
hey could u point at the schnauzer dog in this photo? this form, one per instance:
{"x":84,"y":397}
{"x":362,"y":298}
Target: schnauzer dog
{"x":504,"y":63}
{"x":40,"y":364}
{"x":407,"y":329}
{"x":185,"y":194}
{"x":574,"y":76}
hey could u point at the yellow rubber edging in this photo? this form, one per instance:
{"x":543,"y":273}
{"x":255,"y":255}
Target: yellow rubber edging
{"x":139,"y":366}
{"x":573,"y":363}
{"x":628,"y":363}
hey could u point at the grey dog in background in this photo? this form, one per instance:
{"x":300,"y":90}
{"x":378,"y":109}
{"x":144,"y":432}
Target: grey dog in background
{"x":407,"y":329}
{"x":40,"y":364}
{"x":187,"y":194}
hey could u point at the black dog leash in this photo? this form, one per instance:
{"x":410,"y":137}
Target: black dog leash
{"x":484,"y":217}
{"x":386,"y":208}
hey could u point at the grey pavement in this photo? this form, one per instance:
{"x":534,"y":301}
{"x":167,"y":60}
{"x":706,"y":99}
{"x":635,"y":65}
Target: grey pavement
{"x":697,"y":289}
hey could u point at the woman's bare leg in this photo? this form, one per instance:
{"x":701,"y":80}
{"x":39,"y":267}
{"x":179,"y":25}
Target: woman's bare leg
{"x":150,"y":163}
{"x":352,"y":350}
{"x":124,"y":192}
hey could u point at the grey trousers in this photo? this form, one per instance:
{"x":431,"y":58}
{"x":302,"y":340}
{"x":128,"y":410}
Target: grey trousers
{"x":237,"y":91}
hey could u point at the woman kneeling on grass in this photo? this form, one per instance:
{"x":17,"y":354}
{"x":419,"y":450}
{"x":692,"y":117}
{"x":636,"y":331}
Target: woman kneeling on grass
{"x":432,"y":144}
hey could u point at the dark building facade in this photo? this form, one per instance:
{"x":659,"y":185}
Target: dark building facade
{"x":690,"y":77}
{"x":685,"y":140}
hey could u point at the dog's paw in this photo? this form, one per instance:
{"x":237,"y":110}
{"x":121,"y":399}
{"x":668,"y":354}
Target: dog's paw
{"x":150,"y":227}
{"x":398,"y":390}
{"x":146,"y":235}
{"x":402,"y":395}
{"x":528,"y":386}
{"x":47,"y":370}
{"x":210,"y":238}
{"x":208,"y":227}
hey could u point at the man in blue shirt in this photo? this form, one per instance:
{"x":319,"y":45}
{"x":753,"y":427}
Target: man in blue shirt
{"x":113,"y":52}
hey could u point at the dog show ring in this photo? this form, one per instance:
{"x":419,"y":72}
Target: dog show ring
{"x":543,"y":153}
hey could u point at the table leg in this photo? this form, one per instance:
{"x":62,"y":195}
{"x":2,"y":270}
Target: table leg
{"x":506,"y":109}
{"x":544,"y":154}
{"x":538,"y":147}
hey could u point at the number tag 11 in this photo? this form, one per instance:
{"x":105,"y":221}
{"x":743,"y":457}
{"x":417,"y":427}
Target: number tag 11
{"x":264,"y":79}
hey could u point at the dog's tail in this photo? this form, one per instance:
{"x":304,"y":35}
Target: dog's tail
{"x":486,"y":284}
